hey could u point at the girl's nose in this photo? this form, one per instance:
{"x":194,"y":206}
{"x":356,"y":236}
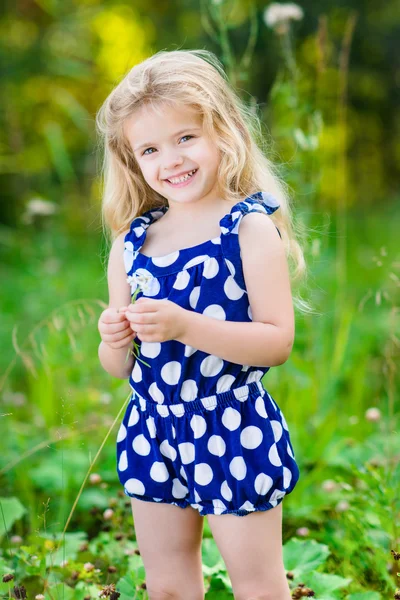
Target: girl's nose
{"x":172,"y":160}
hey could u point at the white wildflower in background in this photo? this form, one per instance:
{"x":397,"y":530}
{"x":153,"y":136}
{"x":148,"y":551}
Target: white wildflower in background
{"x":303,"y":531}
{"x":38,"y":207}
{"x":373,"y":414}
{"x":277,"y":15}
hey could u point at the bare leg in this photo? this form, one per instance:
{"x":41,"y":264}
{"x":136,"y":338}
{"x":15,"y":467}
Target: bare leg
{"x":251,"y":547}
{"x":169,"y":540}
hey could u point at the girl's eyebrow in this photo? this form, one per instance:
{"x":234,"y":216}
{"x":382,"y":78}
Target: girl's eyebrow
{"x":173,"y":135}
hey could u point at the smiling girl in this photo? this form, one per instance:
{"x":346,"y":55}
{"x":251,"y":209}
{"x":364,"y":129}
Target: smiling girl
{"x":188,"y":197}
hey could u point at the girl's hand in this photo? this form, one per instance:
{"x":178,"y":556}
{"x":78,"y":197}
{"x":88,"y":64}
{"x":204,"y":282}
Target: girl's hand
{"x":156,"y":320}
{"x":115,"y":329}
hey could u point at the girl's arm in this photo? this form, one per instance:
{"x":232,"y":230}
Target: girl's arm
{"x":116,"y":360}
{"x":268,"y":340}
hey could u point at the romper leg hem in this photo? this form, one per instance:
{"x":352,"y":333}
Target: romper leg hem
{"x":180,"y":504}
{"x":262,"y":507}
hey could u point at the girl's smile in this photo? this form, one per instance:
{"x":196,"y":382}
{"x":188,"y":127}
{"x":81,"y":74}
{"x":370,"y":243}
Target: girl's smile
{"x":182,"y":180}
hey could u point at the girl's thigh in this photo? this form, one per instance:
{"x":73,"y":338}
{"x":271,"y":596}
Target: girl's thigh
{"x":251,"y":547}
{"x":169,"y":540}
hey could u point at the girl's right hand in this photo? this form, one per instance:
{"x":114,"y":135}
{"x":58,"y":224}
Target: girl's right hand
{"x":114,"y":328}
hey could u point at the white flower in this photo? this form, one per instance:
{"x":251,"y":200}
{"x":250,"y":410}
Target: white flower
{"x":278,"y":13}
{"x":37,"y":206}
{"x":373,"y":414}
{"x":146,"y":281}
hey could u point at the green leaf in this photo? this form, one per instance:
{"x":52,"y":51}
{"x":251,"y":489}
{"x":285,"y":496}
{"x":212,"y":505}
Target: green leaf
{"x":325,"y":585}
{"x":68,"y":549}
{"x":303,"y":556}
{"x":127,"y":588}
{"x":11,"y":510}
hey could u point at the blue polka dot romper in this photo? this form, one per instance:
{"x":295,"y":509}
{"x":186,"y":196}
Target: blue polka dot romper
{"x":199,"y":430}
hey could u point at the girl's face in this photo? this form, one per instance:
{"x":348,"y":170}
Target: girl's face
{"x":177,"y":159}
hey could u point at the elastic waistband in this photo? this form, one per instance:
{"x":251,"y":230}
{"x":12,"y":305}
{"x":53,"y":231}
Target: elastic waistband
{"x":241,"y":393}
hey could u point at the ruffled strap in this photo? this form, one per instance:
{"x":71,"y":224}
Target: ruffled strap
{"x":136,"y":235}
{"x":259,"y":202}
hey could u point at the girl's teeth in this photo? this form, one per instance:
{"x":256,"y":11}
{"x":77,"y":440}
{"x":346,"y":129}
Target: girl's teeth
{"x":181,"y":179}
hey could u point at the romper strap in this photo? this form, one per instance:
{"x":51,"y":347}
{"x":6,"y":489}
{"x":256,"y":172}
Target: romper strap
{"x":136,"y":235}
{"x":258,"y":202}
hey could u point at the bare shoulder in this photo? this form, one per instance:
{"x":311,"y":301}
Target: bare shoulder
{"x":258,"y":232}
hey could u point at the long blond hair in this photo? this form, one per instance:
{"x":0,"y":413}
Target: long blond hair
{"x":195,"y":78}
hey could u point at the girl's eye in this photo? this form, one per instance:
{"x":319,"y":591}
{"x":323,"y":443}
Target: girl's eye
{"x":187,"y":136}
{"x":148,"y":149}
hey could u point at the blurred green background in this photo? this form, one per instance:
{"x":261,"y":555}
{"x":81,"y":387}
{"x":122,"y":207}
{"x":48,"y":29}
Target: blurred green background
{"x":326,"y":86}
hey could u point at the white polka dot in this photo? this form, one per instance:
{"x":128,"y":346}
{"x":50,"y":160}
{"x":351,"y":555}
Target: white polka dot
{"x":224,"y":383}
{"x":238,"y":468}
{"x":260,"y":407}
{"x":159,"y":472}
{"x":242,"y":395}
{"x":284,"y":422}
{"x":251,"y":437}
{"x":287,"y":477}
{"x":123,"y":461}
{"x":196,"y":496}
{"x":211,"y":268}
{"x":219,"y":507}
{"x":156,"y":393}
{"x":249,"y":312}
{"x":165,"y":261}
{"x":289,"y":450}
{"x":189,"y":390}
{"x":189,"y":350}
{"x":182,"y":280}
{"x":216,"y":240}
{"x":196,"y":260}
{"x":247,"y":506}
{"x":226,"y":491}
{"x":277,"y":495}
{"x":203,"y":474}
{"x":151,"y":427}
{"x":134,"y":486}
{"x":194,"y":296}
{"x":199,"y":426}
{"x":171,"y":372}
{"x":274,"y":456}
{"x":121,"y":433}
{"x":173,"y":431}
{"x":211,"y":366}
{"x":167,"y":450}
{"x":230,"y":266}
{"x":139,"y":231}
{"x":183,"y":473}
{"x":231,"y":418}
{"x":133,"y":417}
{"x":254,"y":376}
{"x":186,"y":451}
{"x":162,"y":410}
{"x":150,"y":349}
{"x":128,"y":256}
{"x":232,"y":290}
{"x":136,"y":372}
{"x":178,"y":490}
{"x":277,"y":429}
{"x":216,"y":445}
{"x":141,"y":445}
{"x":215,"y":311}
{"x":263,"y":483}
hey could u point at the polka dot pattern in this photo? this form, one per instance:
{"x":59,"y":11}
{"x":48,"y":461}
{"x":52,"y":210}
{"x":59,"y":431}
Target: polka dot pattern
{"x":228,"y":453}
{"x":199,"y":430}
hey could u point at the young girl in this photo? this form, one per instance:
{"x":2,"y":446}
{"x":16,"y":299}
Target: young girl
{"x":188,"y":194}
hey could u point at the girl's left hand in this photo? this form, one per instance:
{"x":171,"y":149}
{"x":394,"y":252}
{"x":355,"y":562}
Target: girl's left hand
{"x":156,"y":320}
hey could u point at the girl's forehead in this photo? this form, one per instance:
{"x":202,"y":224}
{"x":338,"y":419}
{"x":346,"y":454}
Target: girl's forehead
{"x":161,"y":119}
